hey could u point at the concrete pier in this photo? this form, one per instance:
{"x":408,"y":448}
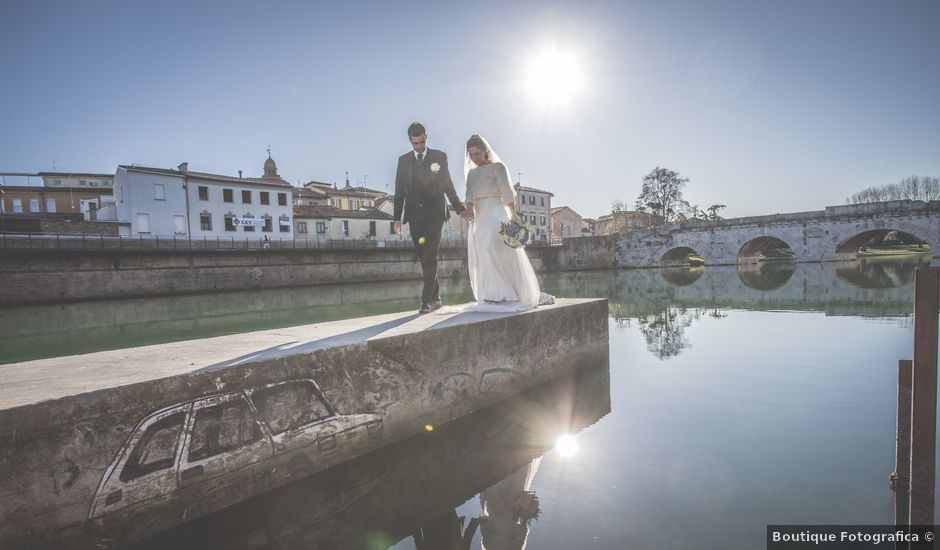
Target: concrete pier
{"x":113,"y":446}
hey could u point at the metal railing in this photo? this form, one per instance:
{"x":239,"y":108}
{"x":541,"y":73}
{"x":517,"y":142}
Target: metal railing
{"x":181,"y":243}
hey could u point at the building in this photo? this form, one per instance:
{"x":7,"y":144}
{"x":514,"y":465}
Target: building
{"x":568,"y":223}
{"x":33,"y":194}
{"x":454,"y":228}
{"x":534,"y":206}
{"x":624,"y":221}
{"x":80,"y":180}
{"x":306,"y":196}
{"x":331,"y":223}
{"x":181,"y":202}
{"x":348,"y":197}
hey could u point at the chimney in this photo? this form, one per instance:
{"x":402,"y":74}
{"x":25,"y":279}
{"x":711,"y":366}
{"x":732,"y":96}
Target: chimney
{"x":239,"y":173}
{"x":184,"y":167}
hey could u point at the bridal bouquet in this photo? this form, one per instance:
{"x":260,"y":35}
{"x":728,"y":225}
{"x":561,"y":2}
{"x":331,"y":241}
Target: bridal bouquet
{"x":515,"y":233}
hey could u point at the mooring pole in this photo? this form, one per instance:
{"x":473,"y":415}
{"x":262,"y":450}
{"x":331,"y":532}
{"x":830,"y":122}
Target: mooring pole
{"x":901,"y":480}
{"x":924,"y":395}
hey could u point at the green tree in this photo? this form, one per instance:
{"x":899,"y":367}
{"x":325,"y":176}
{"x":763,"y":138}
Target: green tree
{"x":662,"y":194}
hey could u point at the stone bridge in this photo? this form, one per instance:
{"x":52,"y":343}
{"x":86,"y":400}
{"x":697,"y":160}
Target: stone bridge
{"x":833,"y":234}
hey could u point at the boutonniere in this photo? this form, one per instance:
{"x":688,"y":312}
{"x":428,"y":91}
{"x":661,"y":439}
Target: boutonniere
{"x":435,"y":167}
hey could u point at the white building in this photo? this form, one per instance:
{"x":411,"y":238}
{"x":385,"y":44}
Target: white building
{"x":151,"y":200}
{"x":165,"y":202}
{"x":454,"y":228}
{"x":535,"y":207}
{"x":328,"y":222}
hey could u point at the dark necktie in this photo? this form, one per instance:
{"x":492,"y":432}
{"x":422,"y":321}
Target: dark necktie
{"x":420,"y":158}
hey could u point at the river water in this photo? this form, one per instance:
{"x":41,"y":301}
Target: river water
{"x":733,"y":399}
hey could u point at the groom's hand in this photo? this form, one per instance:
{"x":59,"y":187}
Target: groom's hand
{"x":397,"y":227}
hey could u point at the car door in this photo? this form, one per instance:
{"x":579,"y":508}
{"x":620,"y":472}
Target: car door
{"x":307,"y":433}
{"x":140,"y":486}
{"x":225,"y":455}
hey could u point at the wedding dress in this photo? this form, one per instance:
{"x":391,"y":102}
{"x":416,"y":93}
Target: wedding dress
{"x":501,"y":276}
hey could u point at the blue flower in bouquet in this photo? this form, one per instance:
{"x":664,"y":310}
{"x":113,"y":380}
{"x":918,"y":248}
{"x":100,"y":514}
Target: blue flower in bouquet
{"x":515,"y":234}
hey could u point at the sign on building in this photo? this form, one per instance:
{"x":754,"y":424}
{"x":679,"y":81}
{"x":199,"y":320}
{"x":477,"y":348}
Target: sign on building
{"x":249,"y":222}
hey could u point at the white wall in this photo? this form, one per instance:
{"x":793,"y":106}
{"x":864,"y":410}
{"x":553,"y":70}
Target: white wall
{"x":218,"y":209}
{"x":135,"y":195}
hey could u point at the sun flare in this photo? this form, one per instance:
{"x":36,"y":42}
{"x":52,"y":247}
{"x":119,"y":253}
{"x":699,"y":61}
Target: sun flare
{"x":554,"y":76}
{"x":567,"y":446}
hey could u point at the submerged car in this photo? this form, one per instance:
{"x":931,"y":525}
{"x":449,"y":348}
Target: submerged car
{"x":198,"y":456}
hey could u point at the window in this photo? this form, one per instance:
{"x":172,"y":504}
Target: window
{"x":205,"y":221}
{"x":345,"y":228}
{"x":227,"y":195}
{"x":18,"y":206}
{"x":268,"y":226}
{"x":372,"y":229}
{"x":521,"y":198}
{"x":156,"y":449}
{"x":57,"y":182}
{"x":143,"y":223}
{"x":543,"y":200}
{"x":284,"y":223}
{"x":203,"y":193}
{"x":532,"y":200}
{"x":222,"y":428}
{"x":82,"y":182}
{"x":246,"y":197}
{"x":301,"y":227}
{"x":3,"y":207}
{"x":34,"y":205}
{"x":265,"y":197}
{"x":542,"y":219}
{"x":159,"y":193}
{"x":532,"y":219}
{"x":353,"y":205}
{"x":290,"y":405}
{"x":282,"y":199}
{"x":321,"y":227}
{"x":179,"y":225}
{"x":247,"y":227}
{"x":50,"y":205}
{"x":336,"y":203}
{"x":229,"y":222}
{"x":391,"y":228}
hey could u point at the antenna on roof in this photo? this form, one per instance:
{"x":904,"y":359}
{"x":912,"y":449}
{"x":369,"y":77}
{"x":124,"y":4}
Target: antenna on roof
{"x":269,"y":151}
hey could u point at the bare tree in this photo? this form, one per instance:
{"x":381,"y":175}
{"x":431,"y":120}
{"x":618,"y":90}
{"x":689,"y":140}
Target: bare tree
{"x":661,"y":194}
{"x":915,"y":188}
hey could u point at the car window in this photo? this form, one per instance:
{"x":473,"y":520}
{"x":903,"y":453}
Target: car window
{"x":222,"y":428}
{"x":287,"y":406}
{"x":156,"y":449}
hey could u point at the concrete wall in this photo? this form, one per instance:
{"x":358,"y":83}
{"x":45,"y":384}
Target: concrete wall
{"x":69,"y":427}
{"x":44,"y":276}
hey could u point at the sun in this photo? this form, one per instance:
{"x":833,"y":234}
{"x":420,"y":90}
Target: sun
{"x":554,"y":76}
{"x":567,"y":446}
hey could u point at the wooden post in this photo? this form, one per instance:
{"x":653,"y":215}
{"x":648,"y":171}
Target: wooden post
{"x":902,"y":460}
{"x":924,"y":395}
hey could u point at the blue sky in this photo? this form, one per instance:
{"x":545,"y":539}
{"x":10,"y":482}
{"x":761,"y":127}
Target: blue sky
{"x":765,"y":106}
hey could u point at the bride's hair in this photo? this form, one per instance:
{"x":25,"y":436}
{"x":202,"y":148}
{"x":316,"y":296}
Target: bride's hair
{"x":481,"y":144}
{"x":488,"y":152}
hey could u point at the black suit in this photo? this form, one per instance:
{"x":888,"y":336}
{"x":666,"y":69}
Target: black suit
{"x":420,"y":190}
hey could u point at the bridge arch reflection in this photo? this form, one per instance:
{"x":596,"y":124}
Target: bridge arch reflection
{"x":765,"y":248}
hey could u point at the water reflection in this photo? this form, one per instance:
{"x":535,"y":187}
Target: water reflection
{"x":765,"y":275}
{"x":663,"y":302}
{"x":875,"y":272}
{"x":412,"y":489}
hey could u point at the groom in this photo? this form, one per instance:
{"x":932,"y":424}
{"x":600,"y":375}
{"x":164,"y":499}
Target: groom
{"x":422,"y":181}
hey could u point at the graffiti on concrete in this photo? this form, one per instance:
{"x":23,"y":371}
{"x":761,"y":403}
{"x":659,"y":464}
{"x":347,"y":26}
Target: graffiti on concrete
{"x":196,"y":456}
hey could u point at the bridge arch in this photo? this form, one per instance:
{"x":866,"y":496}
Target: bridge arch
{"x":881,"y":242}
{"x":765,"y":248}
{"x":681,"y":256}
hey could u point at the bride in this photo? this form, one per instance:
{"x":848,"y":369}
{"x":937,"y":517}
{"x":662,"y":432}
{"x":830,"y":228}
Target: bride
{"x":501,"y":276}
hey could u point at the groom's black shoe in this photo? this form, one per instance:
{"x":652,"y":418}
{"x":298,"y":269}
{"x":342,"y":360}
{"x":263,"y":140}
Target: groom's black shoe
{"x":425,"y":308}
{"x":436,"y":304}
